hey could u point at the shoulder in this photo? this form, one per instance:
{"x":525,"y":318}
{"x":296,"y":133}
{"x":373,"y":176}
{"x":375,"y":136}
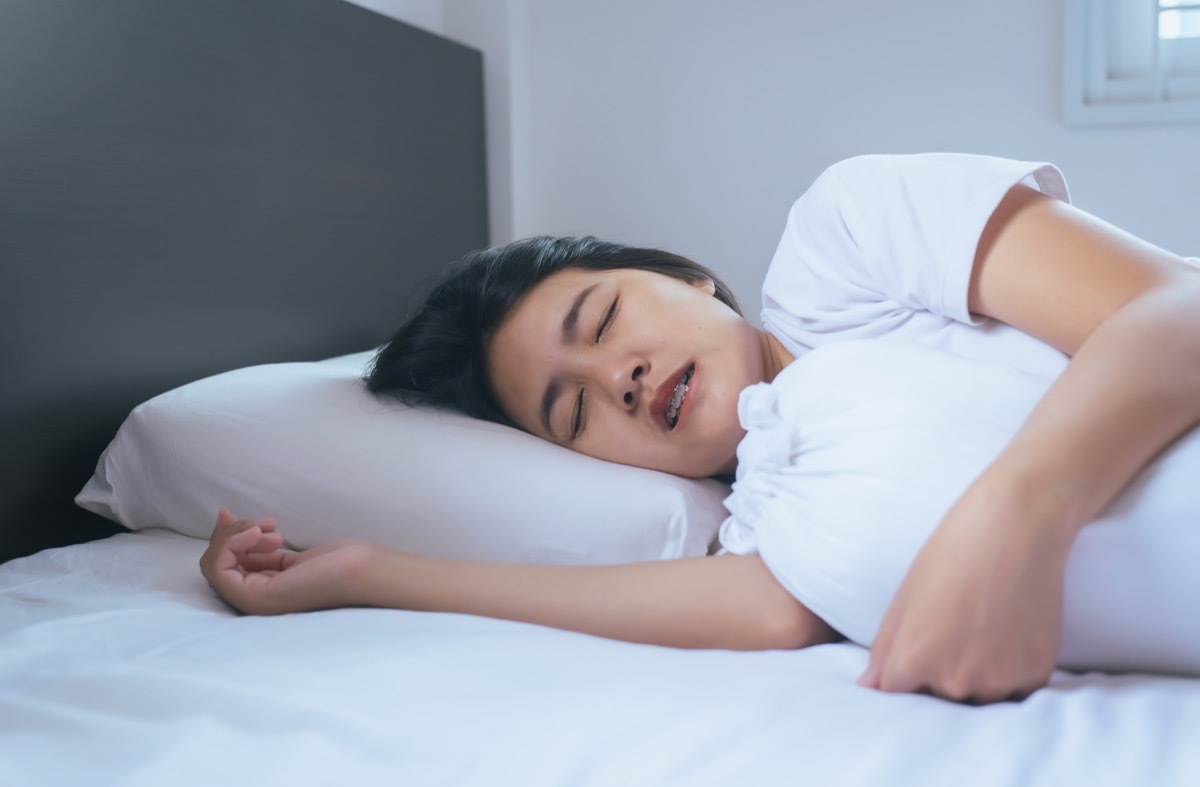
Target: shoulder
{"x":877,"y":237}
{"x":878,"y":177}
{"x":908,"y":207}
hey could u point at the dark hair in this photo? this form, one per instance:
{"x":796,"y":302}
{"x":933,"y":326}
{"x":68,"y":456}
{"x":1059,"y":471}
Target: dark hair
{"x":439,"y":355}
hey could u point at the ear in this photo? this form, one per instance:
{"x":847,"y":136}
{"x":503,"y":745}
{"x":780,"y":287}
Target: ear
{"x":706,"y":284}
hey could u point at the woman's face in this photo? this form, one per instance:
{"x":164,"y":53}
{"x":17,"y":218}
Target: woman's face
{"x":630,"y":366}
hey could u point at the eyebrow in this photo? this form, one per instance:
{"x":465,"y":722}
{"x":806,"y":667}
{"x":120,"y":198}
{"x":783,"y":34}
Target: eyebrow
{"x":570,"y":327}
{"x":571,"y":321}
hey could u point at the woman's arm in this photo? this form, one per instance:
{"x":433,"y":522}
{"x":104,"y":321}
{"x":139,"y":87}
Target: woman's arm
{"x":1129,"y":315}
{"x":729,"y":602}
{"x":979,"y":613}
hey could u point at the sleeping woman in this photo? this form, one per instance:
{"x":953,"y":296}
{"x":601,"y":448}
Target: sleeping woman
{"x":964,"y":436}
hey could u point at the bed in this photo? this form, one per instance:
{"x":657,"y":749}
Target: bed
{"x":207,"y":207}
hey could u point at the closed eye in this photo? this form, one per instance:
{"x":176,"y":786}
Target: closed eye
{"x":606,"y":321}
{"x":577,"y":421}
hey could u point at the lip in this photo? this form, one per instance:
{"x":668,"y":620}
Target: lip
{"x":663,"y":393}
{"x":686,"y":407}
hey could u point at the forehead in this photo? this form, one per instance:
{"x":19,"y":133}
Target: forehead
{"x":548,"y":301}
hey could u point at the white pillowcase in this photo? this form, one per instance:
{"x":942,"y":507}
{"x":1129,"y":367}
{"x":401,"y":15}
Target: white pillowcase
{"x":856,"y":451}
{"x":307,"y":444}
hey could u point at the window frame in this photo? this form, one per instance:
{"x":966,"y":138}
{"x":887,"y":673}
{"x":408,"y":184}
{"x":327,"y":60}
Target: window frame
{"x":1093,"y":96}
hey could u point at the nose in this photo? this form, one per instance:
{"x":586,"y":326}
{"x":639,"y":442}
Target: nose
{"x":627,"y":383}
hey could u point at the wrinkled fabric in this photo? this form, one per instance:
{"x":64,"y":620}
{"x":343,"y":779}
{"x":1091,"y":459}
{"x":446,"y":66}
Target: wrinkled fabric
{"x":883,"y":246}
{"x":856,"y":451}
{"x":119,"y":666}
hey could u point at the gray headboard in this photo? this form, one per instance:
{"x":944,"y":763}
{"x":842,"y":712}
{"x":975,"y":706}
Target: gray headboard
{"x":190,"y":187}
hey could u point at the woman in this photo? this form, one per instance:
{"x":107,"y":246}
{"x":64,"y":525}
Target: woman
{"x":639,"y":357}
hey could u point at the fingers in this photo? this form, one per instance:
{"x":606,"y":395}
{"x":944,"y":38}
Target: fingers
{"x":901,"y":666}
{"x":245,"y":540}
{"x":275,"y":560}
{"x":870,"y":678}
{"x":267,"y":542}
{"x":897,"y":679}
{"x":233,"y":539}
{"x":873,"y":677}
{"x":969,"y":678}
{"x":252,"y":550}
{"x":227,"y":525}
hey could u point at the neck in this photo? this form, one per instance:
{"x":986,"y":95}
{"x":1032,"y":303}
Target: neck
{"x":775,"y":356}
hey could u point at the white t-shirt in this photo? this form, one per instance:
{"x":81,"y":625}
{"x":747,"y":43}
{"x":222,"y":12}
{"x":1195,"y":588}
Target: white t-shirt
{"x":884,"y":246}
{"x":856,"y":450}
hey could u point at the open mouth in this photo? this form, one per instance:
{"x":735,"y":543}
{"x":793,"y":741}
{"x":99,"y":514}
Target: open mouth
{"x":677,"y":397}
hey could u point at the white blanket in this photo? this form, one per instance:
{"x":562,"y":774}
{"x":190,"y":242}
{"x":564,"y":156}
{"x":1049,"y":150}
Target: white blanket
{"x":118,"y":666}
{"x":857,"y":450}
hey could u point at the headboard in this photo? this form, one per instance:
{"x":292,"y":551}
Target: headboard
{"x":190,"y":187}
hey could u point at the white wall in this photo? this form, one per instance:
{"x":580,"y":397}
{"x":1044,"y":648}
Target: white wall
{"x":693,"y":124}
{"x":425,"y":14}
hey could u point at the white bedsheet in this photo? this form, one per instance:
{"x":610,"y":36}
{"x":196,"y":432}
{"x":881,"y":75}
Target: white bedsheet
{"x":119,"y":666}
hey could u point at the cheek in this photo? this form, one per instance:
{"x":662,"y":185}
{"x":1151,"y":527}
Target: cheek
{"x":503,"y":388}
{"x":514,"y":392}
{"x":621,"y":440}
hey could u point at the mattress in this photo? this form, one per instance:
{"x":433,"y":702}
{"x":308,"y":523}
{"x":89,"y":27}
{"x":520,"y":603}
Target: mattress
{"x":118,"y":665}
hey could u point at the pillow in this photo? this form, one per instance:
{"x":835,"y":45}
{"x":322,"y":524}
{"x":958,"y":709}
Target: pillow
{"x":307,"y":444}
{"x":856,"y":451}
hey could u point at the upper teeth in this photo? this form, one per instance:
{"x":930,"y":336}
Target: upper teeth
{"x":677,"y":397}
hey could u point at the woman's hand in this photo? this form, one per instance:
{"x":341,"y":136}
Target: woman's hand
{"x":246,"y":564}
{"x":978,"y":617}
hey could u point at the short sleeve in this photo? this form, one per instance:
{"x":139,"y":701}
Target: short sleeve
{"x":877,"y":238}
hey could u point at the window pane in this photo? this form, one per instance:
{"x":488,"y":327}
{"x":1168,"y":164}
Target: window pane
{"x":1182,"y":23}
{"x":1129,"y":45}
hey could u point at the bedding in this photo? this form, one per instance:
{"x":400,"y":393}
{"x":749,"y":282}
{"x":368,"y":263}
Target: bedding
{"x":118,"y":665}
{"x":306,"y":443}
{"x":856,"y":451}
